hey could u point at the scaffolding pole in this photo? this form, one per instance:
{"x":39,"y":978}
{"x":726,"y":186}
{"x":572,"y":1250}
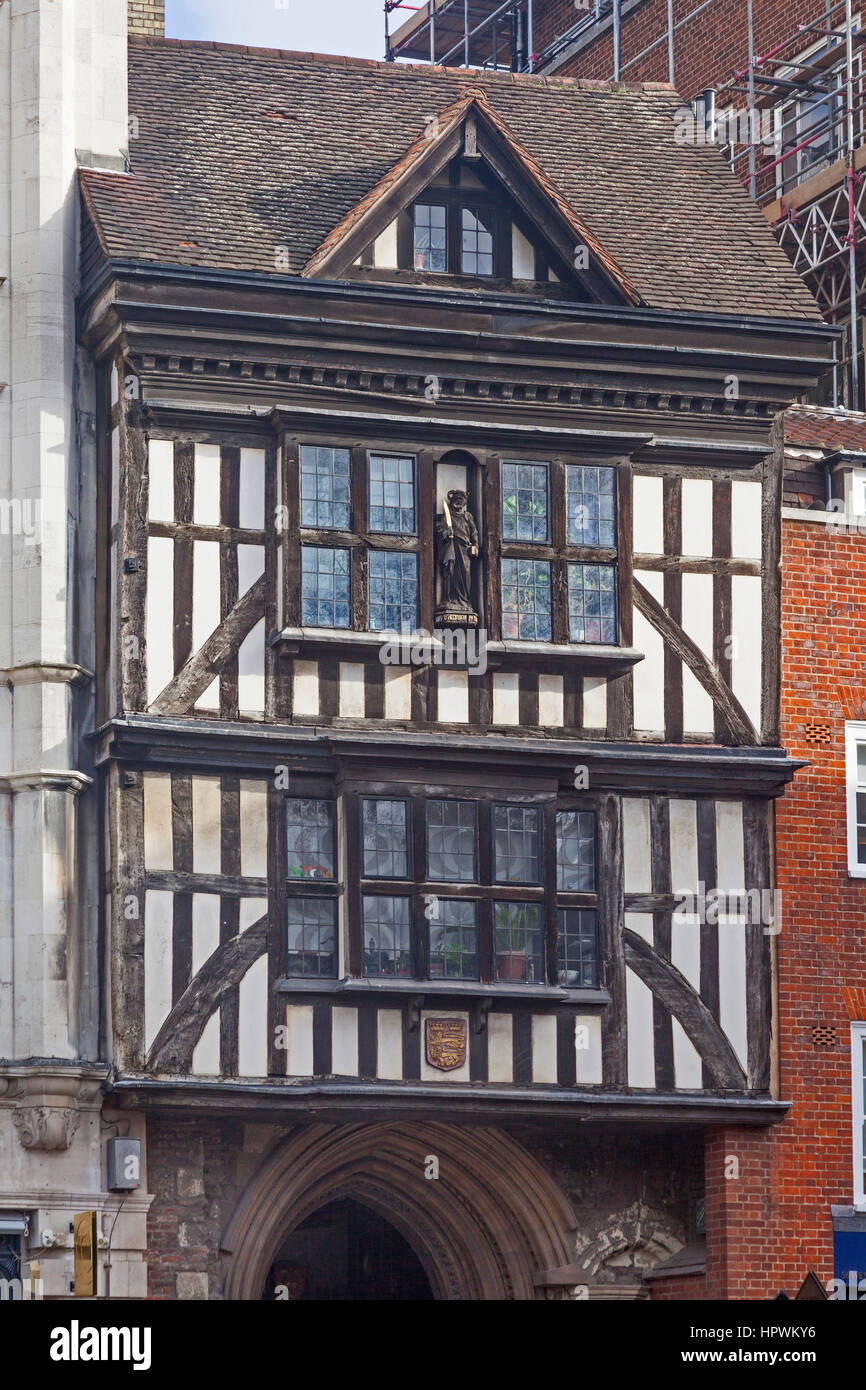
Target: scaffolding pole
{"x":852,"y":245}
{"x":617,"y":40}
{"x":671,"y":42}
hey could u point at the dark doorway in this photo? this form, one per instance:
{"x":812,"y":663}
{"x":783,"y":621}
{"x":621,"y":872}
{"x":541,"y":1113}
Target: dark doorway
{"x":344,"y":1251}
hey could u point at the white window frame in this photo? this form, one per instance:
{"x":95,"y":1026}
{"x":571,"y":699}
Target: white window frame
{"x":855,"y":733}
{"x":858,"y":1067}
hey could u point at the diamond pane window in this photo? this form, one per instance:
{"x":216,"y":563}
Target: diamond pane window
{"x":518,"y":942}
{"x":430,"y":239}
{"x":576,"y":948}
{"x":392,"y":494}
{"x":525,"y":502}
{"x":526,"y":600}
{"x":454,"y":940}
{"x":393,"y":591}
{"x":312,"y":937}
{"x":477,"y":245}
{"x":387,"y":935}
{"x":385,"y":837}
{"x":325,"y":499}
{"x":592,"y":603}
{"x":310,"y":838}
{"x":590,"y":506}
{"x":575,"y":851}
{"x":325,"y":587}
{"x":516,"y":848}
{"x":452,"y":832}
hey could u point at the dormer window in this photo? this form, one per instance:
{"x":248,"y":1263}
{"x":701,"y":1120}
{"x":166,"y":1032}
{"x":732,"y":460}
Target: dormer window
{"x":477,"y":244}
{"x":430,"y":237}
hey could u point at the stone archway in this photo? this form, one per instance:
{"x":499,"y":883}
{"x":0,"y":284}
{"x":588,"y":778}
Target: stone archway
{"x":493,"y":1224}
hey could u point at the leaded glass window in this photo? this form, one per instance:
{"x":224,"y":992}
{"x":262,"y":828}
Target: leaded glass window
{"x":477,"y":244}
{"x":526,"y":600}
{"x":387,"y":935}
{"x":310,"y":838}
{"x":325,"y":586}
{"x":525,"y":488}
{"x":312,"y":936}
{"x":325,"y":483}
{"x":386,"y":838}
{"x":575,"y":851}
{"x":452,"y":833}
{"x":393,"y":591}
{"x":454,"y":940}
{"x":590,"y":510}
{"x":392,"y":494}
{"x":516,"y":844}
{"x":592,"y":603}
{"x":518,"y":942}
{"x":430,"y":237}
{"x":576,"y":947}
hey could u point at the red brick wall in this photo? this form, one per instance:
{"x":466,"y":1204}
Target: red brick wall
{"x":706,"y":49}
{"x":682,"y":1288}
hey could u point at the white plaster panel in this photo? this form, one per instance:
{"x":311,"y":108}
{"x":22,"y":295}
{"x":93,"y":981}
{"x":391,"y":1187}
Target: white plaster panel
{"x":731,"y":928}
{"x":251,"y":671}
{"x":251,"y":495}
{"x":352,"y":690}
{"x":697,"y":516}
{"x":159,"y":622}
{"x":639,"y":1006}
{"x":544,"y":1049}
{"x":636,"y":845}
{"x":648,"y":529}
{"x":389,"y":1044}
{"x":453,"y":697}
{"x":205,"y":940}
{"x":747,"y":636}
{"x":522,"y":255}
{"x":299,"y":1039}
{"x":158,"y":920}
{"x":551,"y":704}
{"x":587,"y":1046}
{"x":206,"y":825}
{"x":506,"y":698}
{"x":254,"y":829}
{"x":500,"y":1047}
{"x":306,"y":688}
{"x":158,"y":841}
{"x":206,"y":485}
{"x":594,"y":702}
{"x":398,"y":693}
{"x":385,"y":248}
{"x":649,"y":674}
{"x":160,"y":469}
{"x":344,"y":1041}
{"x":697,"y":621}
{"x":746,"y":520}
{"x":253,"y":1020}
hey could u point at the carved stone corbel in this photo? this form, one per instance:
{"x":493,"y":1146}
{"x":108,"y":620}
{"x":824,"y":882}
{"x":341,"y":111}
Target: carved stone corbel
{"x":48,"y":1101}
{"x":48,"y":1127}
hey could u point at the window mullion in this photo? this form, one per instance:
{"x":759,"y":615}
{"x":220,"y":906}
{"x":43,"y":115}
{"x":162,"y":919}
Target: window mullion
{"x":548,"y":860}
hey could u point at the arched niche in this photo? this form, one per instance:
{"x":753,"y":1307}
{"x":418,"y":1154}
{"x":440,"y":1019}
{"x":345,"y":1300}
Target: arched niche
{"x":458,"y":468}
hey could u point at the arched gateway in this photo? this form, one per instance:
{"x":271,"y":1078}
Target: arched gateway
{"x":492,"y":1225}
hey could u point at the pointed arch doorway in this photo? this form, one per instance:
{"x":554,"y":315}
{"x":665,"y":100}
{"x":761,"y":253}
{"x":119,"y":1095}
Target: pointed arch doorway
{"x":480,"y":1216}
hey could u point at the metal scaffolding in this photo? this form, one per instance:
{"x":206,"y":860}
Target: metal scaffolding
{"x":793,"y":124}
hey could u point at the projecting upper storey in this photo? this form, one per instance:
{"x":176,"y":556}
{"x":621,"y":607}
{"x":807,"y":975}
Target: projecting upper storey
{"x":254,"y":160}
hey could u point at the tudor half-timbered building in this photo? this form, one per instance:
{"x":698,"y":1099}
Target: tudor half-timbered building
{"x":437,"y":702}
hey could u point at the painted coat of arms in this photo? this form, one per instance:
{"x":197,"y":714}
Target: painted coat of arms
{"x":446,"y":1043}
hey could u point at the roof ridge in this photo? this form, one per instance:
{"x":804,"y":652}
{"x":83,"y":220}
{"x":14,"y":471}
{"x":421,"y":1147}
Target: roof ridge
{"x":346,"y":60}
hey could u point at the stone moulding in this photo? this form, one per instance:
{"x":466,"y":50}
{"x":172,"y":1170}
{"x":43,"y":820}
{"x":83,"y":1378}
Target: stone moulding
{"x":47,"y":1102}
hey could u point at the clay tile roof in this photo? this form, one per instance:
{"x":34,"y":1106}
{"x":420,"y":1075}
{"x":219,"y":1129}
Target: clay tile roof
{"x":825,"y":427}
{"x":248,"y":159}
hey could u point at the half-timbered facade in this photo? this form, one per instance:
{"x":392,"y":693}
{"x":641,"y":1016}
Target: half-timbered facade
{"x":436,"y":721}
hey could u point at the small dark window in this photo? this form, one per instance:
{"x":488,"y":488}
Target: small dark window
{"x":454,"y":940}
{"x":576,"y":947}
{"x":312,"y":937}
{"x":387,"y":928}
{"x":310,"y":838}
{"x":477,"y":244}
{"x":325,"y":500}
{"x":526,"y":600}
{"x":452,"y":833}
{"x":430,"y":237}
{"x":592,"y":603}
{"x":386,"y":838}
{"x":518,"y":942}
{"x":392,"y":494}
{"x":516,"y":836}
{"x":575,"y":851}
{"x":325,"y":586}
{"x":393,"y":591}
{"x":525,"y":502}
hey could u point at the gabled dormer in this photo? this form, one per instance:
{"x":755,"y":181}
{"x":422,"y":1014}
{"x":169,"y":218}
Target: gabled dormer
{"x":467,"y":207}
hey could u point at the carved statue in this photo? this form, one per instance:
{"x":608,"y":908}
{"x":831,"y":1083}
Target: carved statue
{"x":458,"y":545}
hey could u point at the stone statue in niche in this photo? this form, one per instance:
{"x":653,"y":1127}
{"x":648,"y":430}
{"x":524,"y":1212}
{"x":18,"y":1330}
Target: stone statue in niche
{"x":458,"y":546}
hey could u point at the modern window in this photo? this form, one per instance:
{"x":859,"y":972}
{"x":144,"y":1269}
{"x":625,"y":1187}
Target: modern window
{"x":482,"y":903}
{"x":325,"y":488}
{"x":312,"y":887}
{"x":858,"y":1110}
{"x":566,"y":591}
{"x":430,"y":237}
{"x":393,"y":591}
{"x":476,"y":243}
{"x":326,"y":586}
{"x":855,"y":779}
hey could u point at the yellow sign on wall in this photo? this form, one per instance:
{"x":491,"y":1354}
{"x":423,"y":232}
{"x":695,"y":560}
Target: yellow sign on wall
{"x":85,"y":1254}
